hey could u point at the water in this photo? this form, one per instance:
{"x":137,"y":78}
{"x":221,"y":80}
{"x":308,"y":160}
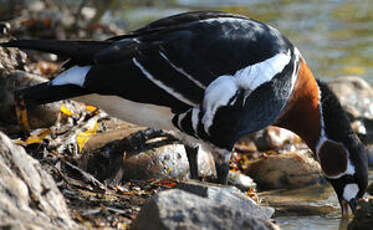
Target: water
{"x":335,"y":36}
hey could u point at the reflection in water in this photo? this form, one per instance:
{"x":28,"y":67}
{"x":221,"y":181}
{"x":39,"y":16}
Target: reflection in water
{"x":343,"y":224}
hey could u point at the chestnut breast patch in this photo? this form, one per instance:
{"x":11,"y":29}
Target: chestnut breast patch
{"x":333,"y":158}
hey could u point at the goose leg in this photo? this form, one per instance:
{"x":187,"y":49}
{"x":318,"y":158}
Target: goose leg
{"x":192,"y":154}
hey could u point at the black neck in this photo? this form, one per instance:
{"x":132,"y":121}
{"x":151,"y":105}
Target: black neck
{"x":336,"y":124}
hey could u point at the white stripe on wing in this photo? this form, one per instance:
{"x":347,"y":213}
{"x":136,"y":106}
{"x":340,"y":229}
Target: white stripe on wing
{"x":160,"y":84}
{"x":182,"y":71}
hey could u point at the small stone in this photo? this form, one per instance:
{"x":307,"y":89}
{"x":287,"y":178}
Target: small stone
{"x":293,"y":169}
{"x":274,"y":138}
{"x":241,"y":181}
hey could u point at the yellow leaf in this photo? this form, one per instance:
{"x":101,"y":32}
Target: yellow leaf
{"x":90,"y":108}
{"x":38,"y":137}
{"x":66,"y":111}
{"x":83,"y":137}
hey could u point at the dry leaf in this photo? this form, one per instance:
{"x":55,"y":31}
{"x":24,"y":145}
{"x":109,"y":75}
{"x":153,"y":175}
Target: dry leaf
{"x":36,"y":137}
{"x":169,"y":183}
{"x":91,"y":108}
{"x":65,"y":111}
{"x":83,"y":137}
{"x":39,"y":137}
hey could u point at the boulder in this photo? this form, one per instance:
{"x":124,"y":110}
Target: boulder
{"x":29,"y":197}
{"x":287,"y":170}
{"x":203,"y":206}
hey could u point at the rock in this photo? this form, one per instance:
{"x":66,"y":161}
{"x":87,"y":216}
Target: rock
{"x":168,"y":161}
{"x":356,"y":97}
{"x":38,"y":116}
{"x":241,"y":181}
{"x":229,"y":194}
{"x":312,"y":200}
{"x":12,"y":77}
{"x":273,"y":138}
{"x":354,"y":92}
{"x":287,"y":170}
{"x":201,"y":206}
{"x":29,"y":197}
{"x":12,"y":59}
{"x":147,"y":156}
{"x":363,"y":218}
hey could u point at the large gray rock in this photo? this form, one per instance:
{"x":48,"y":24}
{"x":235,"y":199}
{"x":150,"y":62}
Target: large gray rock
{"x":29,"y":197}
{"x":197,"y":206}
{"x":287,"y":170}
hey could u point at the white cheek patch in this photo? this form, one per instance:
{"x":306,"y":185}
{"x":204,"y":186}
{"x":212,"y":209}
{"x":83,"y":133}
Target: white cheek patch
{"x":350,"y":191}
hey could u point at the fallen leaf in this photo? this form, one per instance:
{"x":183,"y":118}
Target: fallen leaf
{"x":38,"y":137}
{"x":169,"y":183}
{"x":83,"y":137}
{"x":65,"y":111}
{"x":91,"y":108}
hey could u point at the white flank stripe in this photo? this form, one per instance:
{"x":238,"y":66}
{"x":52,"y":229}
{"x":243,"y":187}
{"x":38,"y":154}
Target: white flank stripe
{"x":217,"y":94}
{"x":75,"y":75}
{"x":222,"y":89}
{"x":255,"y":75}
{"x":180,"y":119}
{"x":181,"y":70}
{"x":195,"y":119}
{"x":161,"y":85}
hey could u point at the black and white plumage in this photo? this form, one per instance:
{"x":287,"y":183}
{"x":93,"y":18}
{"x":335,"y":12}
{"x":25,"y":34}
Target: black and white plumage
{"x":213,"y":77}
